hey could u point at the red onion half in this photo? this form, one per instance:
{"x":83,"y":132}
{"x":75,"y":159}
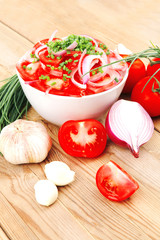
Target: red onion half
{"x":128,"y":124}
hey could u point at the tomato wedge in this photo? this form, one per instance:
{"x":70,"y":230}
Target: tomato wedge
{"x":114,"y":182}
{"x":86,"y":138}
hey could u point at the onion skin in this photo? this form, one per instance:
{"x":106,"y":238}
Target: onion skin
{"x":112,"y":136}
{"x":117,"y":140}
{"x":134,"y":140}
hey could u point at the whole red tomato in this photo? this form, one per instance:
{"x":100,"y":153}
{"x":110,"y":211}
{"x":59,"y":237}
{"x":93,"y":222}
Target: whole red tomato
{"x":136,"y":72}
{"x":147,"y":93}
{"x":153,"y":67}
{"x":85,"y":138}
{"x":114,"y":182}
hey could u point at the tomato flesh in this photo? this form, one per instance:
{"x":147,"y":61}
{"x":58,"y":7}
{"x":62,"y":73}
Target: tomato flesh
{"x":85,"y":138}
{"x":114,"y":182}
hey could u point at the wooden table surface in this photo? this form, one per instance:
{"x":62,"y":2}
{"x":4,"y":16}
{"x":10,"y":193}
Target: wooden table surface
{"x":81,"y":212}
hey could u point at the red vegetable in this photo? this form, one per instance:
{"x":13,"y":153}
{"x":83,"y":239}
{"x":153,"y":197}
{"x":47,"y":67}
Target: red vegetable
{"x":114,"y":182}
{"x":129,"y":125}
{"x":136,"y":72}
{"x":152,"y":68}
{"x":148,"y":95}
{"x":29,"y":71}
{"x":85,"y":138}
{"x":70,"y":59}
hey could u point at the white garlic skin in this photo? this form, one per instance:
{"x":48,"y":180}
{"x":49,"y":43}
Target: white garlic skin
{"x":59,"y":173}
{"x":46,"y":192}
{"x":25,"y":142}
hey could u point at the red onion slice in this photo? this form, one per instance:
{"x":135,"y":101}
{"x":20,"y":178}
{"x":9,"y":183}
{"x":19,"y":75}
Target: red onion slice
{"x":27,"y":57}
{"x":52,"y":36}
{"x":82,"y":86}
{"x":128,"y":124}
{"x":115,"y":75}
{"x":104,"y":56}
{"x":80,"y":62}
{"x":48,"y":90}
{"x":87,"y":65}
{"x":42,"y":47}
{"x":50,"y":71}
{"x":113,"y":57}
{"x":104,"y":83}
{"x":30,"y":82}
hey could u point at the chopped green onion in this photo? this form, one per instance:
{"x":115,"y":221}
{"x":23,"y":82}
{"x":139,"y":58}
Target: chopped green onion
{"x":53,"y":83}
{"x":44,"y":77}
{"x":75,"y":55}
{"x":29,"y":68}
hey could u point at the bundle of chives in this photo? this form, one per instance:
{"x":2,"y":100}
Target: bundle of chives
{"x":13,"y":103}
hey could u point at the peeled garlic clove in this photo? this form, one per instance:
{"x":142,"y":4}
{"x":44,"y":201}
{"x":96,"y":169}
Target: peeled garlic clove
{"x":46,"y":192}
{"x":59,"y":173}
{"x":25,"y":142}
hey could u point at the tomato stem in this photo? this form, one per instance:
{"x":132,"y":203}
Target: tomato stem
{"x":156,"y":89}
{"x":150,"y":79}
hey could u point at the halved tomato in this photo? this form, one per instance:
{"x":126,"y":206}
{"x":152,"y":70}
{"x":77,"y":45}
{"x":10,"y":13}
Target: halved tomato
{"x":114,"y":182}
{"x":86,"y":138}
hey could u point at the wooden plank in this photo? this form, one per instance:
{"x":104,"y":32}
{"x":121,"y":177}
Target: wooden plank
{"x":14,"y":226}
{"x":127,"y":22}
{"x":80,"y":212}
{"x":3,"y":236}
{"x":24,"y":213}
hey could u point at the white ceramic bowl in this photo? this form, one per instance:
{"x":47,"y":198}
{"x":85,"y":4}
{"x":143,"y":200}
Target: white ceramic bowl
{"x":58,"y":109}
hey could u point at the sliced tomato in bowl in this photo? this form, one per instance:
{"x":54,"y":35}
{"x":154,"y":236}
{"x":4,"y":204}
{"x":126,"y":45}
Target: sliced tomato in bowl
{"x":86,"y":138}
{"x":48,"y":59}
{"x":29,"y":71}
{"x":114,"y":182}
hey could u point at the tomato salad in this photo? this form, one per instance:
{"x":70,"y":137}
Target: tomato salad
{"x":71,"y":66}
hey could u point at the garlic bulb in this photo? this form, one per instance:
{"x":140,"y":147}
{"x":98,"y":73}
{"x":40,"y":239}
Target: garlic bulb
{"x":59,"y":173}
{"x":25,"y":142}
{"x":46,"y":192}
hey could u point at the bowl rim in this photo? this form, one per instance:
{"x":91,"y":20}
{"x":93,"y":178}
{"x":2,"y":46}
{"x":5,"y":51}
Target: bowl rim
{"x":71,"y":97}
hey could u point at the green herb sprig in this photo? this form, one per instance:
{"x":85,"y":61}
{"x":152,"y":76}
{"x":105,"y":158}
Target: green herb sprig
{"x":13,"y":103}
{"x":151,"y":52}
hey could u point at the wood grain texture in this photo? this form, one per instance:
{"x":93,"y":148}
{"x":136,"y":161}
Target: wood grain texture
{"x":81,"y":212}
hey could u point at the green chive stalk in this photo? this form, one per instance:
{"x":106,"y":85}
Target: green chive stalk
{"x":13,"y":103}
